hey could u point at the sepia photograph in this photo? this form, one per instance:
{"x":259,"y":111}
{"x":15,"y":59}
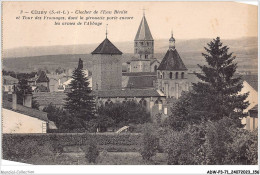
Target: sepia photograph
{"x":130,"y":83}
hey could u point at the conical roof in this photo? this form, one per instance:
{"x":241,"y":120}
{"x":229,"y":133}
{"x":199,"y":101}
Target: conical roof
{"x":172,"y":61}
{"x":106,"y":47}
{"x":143,"y":32}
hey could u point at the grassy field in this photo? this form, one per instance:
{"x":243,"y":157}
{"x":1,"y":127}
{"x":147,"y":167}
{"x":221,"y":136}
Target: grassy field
{"x":105,"y":158}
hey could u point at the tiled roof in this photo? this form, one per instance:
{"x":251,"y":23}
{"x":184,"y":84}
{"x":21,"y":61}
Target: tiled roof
{"x":42,"y":77}
{"x":127,"y":93}
{"x":26,"y":110}
{"x":172,"y":61}
{"x":106,"y":47}
{"x":154,"y":60}
{"x":143,"y":32}
{"x":136,"y":59}
{"x":9,"y":80}
{"x":45,"y":98}
{"x":8,"y":77}
{"x":41,"y":88}
{"x":139,"y":74}
{"x":252,"y":80}
{"x":140,"y":82}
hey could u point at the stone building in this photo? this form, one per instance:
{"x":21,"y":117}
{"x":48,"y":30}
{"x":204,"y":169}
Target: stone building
{"x":40,"y":83}
{"x":107,"y":80}
{"x":107,"y":67}
{"x":9,"y":83}
{"x":143,"y":60}
{"x":172,"y":74}
{"x":144,"y":43}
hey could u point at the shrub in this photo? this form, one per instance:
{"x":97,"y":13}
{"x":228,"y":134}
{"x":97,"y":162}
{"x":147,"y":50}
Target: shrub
{"x":150,"y":142}
{"x":92,"y":152}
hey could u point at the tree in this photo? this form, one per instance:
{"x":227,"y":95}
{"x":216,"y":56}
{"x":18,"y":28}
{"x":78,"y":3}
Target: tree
{"x":150,"y":142}
{"x":217,"y":96}
{"x":92,"y":152}
{"x":23,"y":88}
{"x":79,"y":101}
{"x":64,"y":121}
{"x":125,"y":113}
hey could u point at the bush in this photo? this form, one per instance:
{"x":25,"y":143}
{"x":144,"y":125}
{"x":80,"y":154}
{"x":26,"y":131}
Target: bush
{"x":150,"y":142}
{"x":184,"y":147}
{"x":92,"y":152}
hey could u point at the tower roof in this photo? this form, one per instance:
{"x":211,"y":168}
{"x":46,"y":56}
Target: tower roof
{"x":106,"y":47}
{"x":172,"y":61}
{"x":143,"y":32}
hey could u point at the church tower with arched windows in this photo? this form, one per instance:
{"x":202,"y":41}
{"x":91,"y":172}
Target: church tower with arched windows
{"x":172,"y":73}
{"x":144,"y":43}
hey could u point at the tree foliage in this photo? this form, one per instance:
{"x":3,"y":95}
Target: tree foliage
{"x":211,"y":143}
{"x":216,"y":95}
{"x":125,"y":113}
{"x":22,"y":89}
{"x":150,"y":142}
{"x":79,"y":101}
{"x":92,"y":152}
{"x":63,"y":120}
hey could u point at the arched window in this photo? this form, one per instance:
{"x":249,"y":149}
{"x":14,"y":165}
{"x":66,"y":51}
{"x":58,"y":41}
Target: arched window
{"x":176,"y":75}
{"x":182,"y":75}
{"x":170,"y":75}
{"x":155,"y":67}
{"x":143,"y":102}
{"x":159,"y":75}
{"x":163,"y":75}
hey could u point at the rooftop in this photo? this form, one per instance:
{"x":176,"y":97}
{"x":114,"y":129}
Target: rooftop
{"x":143,"y":32}
{"x":45,"y":98}
{"x":139,"y":74}
{"x":172,"y":61}
{"x":106,"y":47}
{"x":252,"y":80}
{"x":138,"y":82}
{"x":127,"y":93}
{"x":26,"y":110}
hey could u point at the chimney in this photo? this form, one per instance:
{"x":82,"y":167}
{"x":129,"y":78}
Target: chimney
{"x":27,"y":101}
{"x":14,"y":101}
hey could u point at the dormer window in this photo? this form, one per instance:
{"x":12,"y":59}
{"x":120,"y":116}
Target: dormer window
{"x":182,"y":75}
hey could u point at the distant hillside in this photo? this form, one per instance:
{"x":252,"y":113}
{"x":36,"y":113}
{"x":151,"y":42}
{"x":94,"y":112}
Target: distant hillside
{"x":27,"y":59}
{"x":161,"y":45}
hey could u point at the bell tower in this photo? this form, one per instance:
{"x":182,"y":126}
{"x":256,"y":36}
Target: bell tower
{"x":144,"y":42}
{"x":172,"y":73}
{"x":107,"y":66}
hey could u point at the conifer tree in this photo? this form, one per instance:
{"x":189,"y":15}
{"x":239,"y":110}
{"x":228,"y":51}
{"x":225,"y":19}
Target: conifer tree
{"x":22,"y":89}
{"x":79,"y":101}
{"x":217,"y":95}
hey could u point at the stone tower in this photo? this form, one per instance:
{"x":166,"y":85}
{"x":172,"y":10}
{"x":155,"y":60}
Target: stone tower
{"x":144,"y":43}
{"x":107,"y":67}
{"x":172,"y":73}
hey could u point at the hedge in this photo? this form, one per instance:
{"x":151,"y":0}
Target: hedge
{"x":123,"y":142}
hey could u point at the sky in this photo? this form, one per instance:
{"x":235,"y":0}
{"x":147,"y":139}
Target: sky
{"x":188,"y":20}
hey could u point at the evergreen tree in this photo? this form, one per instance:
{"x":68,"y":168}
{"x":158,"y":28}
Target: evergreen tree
{"x":79,"y":101}
{"x":217,"y":95}
{"x":23,"y":88}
